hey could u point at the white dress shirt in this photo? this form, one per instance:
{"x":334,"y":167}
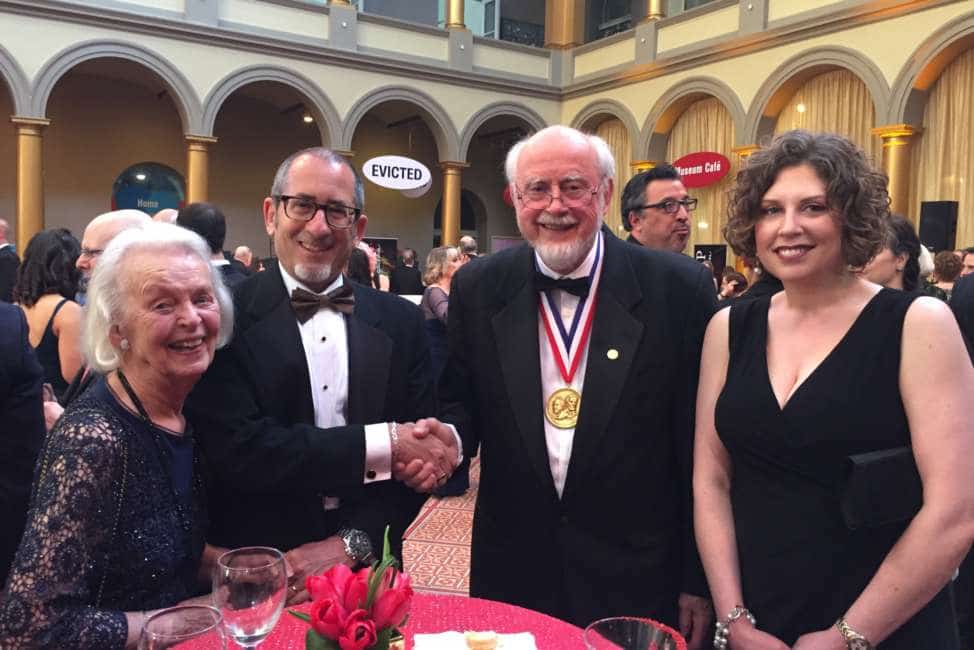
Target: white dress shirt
{"x":559,"y":441}
{"x":325,"y":343}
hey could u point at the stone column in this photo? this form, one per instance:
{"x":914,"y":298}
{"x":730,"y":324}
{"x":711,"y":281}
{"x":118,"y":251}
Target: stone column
{"x":198,"y":167}
{"x":454,"y":14}
{"x":450,"y":211}
{"x":30,"y":177}
{"x":897,"y":149}
{"x":564,"y":24}
{"x":744,"y":151}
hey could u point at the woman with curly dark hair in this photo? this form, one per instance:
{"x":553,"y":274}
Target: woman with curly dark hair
{"x":897,"y":264}
{"x":46,"y":284}
{"x":832,"y":373}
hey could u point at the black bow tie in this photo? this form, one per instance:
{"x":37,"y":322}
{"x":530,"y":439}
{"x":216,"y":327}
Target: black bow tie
{"x":575,"y":286}
{"x":307,"y":304}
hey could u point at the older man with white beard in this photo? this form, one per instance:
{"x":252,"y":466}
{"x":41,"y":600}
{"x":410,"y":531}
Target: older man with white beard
{"x":573,"y":365}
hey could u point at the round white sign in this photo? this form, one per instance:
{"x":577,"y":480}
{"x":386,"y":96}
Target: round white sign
{"x":396,"y":172}
{"x":417,"y":192}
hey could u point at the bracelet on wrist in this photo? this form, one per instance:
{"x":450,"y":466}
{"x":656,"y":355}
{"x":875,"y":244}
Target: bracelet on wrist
{"x":722,"y":629}
{"x":853,"y":640}
{"x":394,"y":440}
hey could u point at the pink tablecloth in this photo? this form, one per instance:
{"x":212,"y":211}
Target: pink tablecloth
{"x":432,"y":614}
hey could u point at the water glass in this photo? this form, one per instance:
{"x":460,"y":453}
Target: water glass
{"x":630,"y":633}
{"x":249,"y":588}
{"x":184,"y":626}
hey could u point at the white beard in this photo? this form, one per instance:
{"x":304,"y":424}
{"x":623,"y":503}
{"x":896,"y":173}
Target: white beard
{"x":312,"y":274}
{"x":563,"y":258}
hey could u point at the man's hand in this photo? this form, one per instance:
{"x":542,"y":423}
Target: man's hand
{"x":426,"y":454}
{"x":696,"y":615}
{"x":311,"y":559}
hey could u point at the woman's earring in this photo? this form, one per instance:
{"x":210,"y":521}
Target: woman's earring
{"x":124,"y":344}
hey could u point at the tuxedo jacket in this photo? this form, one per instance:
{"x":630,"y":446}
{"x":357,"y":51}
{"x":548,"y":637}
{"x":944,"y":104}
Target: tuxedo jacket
{"x":405,"y":281}
{"x":619,"y":540}
{"x":268,"y":464}
{"x":22,"y":418}
{"x":962,"y":304}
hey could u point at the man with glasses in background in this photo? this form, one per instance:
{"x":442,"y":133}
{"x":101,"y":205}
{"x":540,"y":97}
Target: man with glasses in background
{"x":573,"y":363}
{"x":656,"y":209}
{"x":301,"y":416}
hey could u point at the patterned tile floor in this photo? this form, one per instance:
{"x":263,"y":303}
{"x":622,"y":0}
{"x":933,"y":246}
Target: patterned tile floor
{"x":436,"y":548}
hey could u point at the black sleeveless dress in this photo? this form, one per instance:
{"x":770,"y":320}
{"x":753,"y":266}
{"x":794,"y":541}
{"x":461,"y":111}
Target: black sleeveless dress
{"x":801,"y":567}
{"x":49,"y":357}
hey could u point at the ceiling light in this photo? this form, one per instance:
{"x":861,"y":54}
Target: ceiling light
{"x":800,"y":108}
{"x":703,"y":225}
{"x":140,"y":177}
{"x":308,"y":119}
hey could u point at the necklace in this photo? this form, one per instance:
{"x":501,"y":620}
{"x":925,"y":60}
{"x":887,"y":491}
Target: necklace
{"x":164,"y":456}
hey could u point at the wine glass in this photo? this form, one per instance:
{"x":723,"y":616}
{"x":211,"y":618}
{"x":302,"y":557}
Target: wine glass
{"x":630,"y":633}
{"x":249,"y":587}
{"x":189,"y":626}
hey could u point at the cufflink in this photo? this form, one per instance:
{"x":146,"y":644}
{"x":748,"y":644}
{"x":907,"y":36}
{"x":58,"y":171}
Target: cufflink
{"x":370,"y":474}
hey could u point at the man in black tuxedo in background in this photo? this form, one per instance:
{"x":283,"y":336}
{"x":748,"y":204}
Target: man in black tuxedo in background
{"x":297,"y":417}
{"x":208,"y":221}
{"x":22,"y":415}
{"x":9,"y":263}
{"x":405,"y":279}
{"x":584,"y":504}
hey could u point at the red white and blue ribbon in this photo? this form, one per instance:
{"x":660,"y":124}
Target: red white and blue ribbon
{"x":567,"y":348}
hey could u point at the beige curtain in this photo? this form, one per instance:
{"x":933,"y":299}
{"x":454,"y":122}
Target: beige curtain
{"x":706,"y":126}
{"x":836,"y":102}
{"x":944,"y":156}
{"x":614,"y":132}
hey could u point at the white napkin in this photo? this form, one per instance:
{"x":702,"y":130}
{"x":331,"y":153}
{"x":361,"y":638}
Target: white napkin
{"x":456,"y":641}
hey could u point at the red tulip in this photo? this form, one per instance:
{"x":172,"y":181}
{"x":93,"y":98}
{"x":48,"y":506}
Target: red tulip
{"x":392,"y":607}
{"x":328,"y":618}
{"x":340,"y":584}
{"x":359,"y":632}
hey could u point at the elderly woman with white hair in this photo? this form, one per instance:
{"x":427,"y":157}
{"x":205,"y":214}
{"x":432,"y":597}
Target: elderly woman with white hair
{"x":117,"y":514}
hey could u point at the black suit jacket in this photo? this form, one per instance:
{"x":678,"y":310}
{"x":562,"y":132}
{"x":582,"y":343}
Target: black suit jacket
{"x":619,"y":540}
{"x":254,"y":416}
{"x":962,"y":304}
{"x":406,"y":281}
{"x":22,"y":420}
{"x":9,"y":263}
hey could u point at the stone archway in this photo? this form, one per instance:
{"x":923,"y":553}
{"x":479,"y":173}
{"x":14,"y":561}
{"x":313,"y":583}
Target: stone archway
{"x":184,"y":97}
{"x":782,"y":84}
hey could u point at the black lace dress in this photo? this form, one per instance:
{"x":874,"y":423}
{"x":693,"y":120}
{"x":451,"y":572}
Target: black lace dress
{"x":116,"y":524}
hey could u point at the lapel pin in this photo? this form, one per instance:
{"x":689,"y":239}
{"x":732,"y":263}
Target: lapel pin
{"x":612,"y":354}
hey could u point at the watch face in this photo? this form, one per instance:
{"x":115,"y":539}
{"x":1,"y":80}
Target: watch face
{"x":357,"y":544}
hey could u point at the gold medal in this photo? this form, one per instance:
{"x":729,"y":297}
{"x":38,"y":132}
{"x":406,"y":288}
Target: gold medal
{"x":562,"y":406}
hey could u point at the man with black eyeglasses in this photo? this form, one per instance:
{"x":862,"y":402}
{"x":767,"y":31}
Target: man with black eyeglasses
{"x":656,"y":209}
{"x":308,"y":415}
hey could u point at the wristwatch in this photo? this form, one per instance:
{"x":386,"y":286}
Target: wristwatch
{"x":358,"y":547}
{"x":853,"y":640}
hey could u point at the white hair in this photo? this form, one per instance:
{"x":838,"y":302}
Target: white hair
{"x":107,"y":293}
{"x":606,"y":161}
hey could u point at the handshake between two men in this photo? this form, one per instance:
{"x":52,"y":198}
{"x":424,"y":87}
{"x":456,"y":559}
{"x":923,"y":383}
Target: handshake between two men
{"x":424,"y":453}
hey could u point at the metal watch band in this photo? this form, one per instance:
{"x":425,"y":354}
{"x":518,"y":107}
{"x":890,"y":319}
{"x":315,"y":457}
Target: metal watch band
{"x":853,"y":640}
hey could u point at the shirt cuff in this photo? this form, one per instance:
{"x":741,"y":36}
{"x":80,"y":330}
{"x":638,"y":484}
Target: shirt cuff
{"x":459,"y":442}
{"x":378,"y":453}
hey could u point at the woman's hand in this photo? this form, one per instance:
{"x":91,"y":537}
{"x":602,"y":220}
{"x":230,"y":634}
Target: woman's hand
{"x":830,"y":639}
{"x":744,"y":636}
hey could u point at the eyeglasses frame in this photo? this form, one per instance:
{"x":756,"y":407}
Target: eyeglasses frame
{"x":320,"y":207}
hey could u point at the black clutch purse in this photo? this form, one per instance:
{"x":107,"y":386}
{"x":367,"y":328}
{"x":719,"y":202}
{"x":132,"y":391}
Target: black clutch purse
{"x":882,"y":487}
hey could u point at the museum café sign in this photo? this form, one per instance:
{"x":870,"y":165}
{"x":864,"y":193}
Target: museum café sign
{"x":398,"y":173}
{"x":702,"y":168}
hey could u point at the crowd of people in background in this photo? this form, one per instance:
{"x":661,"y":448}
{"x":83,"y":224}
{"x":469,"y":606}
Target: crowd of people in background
{"x":682,"y":434}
